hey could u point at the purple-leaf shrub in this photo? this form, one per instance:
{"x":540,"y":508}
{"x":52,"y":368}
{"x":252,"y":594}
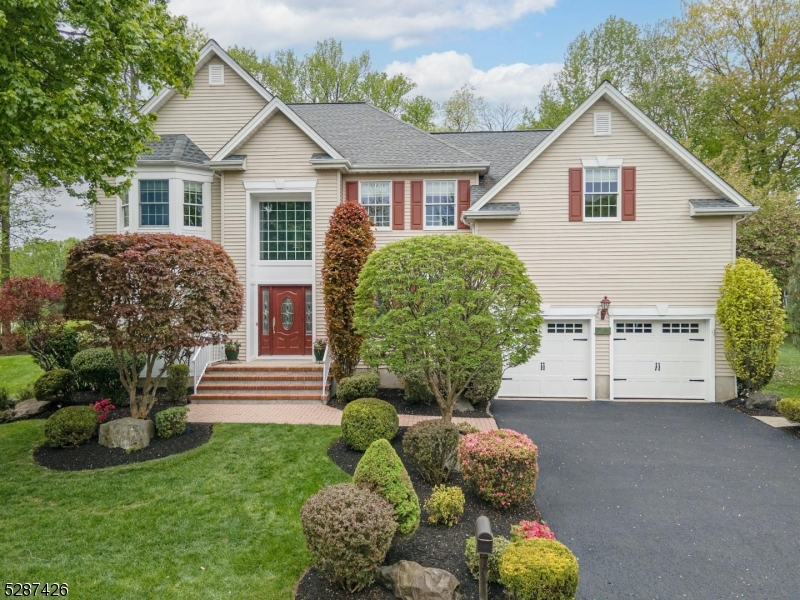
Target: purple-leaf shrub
{"x":500,"y":465}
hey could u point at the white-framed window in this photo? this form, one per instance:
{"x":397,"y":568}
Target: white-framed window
{"x":376,"y":198}
{"x":216,"y":74}
{"x":440,"y":205}
{"x":192,"y":204}
{"x":154,"y":202}
{"x":285,"y":230}
{"x":125,"y":210}
{"x":602,"y":123}
{"x":601,"y":194}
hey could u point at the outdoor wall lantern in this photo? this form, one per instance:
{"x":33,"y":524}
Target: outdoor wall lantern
{"x":484,"y":544}
{"x":604,"y":304}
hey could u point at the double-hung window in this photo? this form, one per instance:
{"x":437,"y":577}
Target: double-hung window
{"x":601,"y":194}
{"x":154,"y":202}
{"x":376,"y":199}
{"x":440,"y":204}
{"x":192,"y":204}
{"x":285,"y":230}
{"x":125,"y":209}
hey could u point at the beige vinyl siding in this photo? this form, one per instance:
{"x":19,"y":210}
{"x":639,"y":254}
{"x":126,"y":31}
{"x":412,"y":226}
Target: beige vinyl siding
{"x":211,"y":115}
{"x":104,"y":214}
{"x":663,"y":257}
{"x":278,"y":150}
{"x":383,"y":236}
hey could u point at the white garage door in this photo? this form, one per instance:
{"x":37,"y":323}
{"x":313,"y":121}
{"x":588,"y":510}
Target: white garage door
{"x":560,"y":370}
{"x":666,"y":360}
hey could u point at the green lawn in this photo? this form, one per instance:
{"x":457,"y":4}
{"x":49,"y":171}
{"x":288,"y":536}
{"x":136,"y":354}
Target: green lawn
{"x":786,"y":379}
{"x":18,"y":371}
{"x":218,"y":521}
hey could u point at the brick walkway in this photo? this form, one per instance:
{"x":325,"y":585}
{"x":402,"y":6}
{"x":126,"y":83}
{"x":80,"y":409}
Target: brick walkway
{"x":297,"y":414}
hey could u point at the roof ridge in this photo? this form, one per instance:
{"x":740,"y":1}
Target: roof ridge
{"x":489,"y":131}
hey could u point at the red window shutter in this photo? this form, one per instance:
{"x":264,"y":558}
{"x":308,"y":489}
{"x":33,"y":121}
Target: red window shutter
{"x":576,"y":194}
{"x":398,"y":204}
{"x":463,"y":202}
{"x":628,"y":193}
{"x":416,"y":205}
{"x":352,"y":191}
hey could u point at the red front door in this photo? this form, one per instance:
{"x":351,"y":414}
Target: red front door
{"x":283,"y":326}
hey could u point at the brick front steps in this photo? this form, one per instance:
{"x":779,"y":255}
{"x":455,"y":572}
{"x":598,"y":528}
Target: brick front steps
{"x":261,"y":382}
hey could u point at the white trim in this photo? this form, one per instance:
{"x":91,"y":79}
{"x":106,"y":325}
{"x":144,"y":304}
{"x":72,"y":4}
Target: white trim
{"x":487,"y":215}
{"x":722,"y":211}
{"x":479,"y":167}
{"x":390,"y":205}
{"x":619,"y":197}
{"x":261,"y":117}
{"x":594,"y":162}
{"x":653,"y":311}
{"x":425,"y":226}
{"x":255,"y":186}
{"x":216,"y":71}
{"x":608,"y":91}
{"x":211,"y":49}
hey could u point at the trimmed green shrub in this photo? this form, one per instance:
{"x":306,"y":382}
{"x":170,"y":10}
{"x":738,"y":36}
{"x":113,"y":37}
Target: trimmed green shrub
{"x":54,"y":386}
{"x":446,"y":505}
{"x":473,"y":560}
{"x":433,"y":447}
{"x":465,"y":428}
{"x":96,"y":369}
{"x":348,"y":531}
{"x":539,"y":569}
{"x":790,"y":408}
{"x":70,"y":426}
{"x":171,"y":421}
{"x":366,"y":420}
{"x":25,"y":393}
{"x":380,"y":470}
{"x":486,"y":383}
{"x":363,"y":385}
{"x":418,"y":392}
{"x":5,"y":399}
{"x":500,"y":465}
{"x":177,"y":383}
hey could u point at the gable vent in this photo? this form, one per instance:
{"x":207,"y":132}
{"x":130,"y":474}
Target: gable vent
{"x":602,"y":123}
{"x":216,"y":74}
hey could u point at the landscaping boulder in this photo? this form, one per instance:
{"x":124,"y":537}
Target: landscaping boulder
{"x":24,"y":409}
{"x":411,"y":581}
{"x":127,"y":433}
{"x":762,"y":400}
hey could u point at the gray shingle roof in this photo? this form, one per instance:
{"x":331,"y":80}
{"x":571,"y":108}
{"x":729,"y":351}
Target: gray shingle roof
{"x":500,"y":207}
{"x":502,"y":149}
{"x":366,"y":135}
{"x":174,"y":148}
{"x":714,"y":203}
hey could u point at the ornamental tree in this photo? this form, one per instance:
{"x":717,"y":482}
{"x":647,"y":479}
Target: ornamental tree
{"x":151,"y":296}
{"x":750,"y":311}
{"x":440,"y":308}
{"x":348,"y":243}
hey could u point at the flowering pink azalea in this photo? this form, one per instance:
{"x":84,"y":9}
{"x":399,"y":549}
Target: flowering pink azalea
{"x":531,"y":529}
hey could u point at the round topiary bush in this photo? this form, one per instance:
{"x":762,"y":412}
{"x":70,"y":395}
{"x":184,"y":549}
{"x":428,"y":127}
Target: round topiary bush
{"x":348,"y":531}
{"x":96,"y":369}
{"x":171,"y":421}
{"x":70,"y":426}
{"x":790,"y":408}
{"x":473,"y":560}
{"x":54,"y":386}
{"x":380,"y":470}
{"x":433,"y":448}
{"x":366,"y":420}
{"x":539,"y":569}
{"x":363,"y":385}
{"x":486,"y":382}
{"x":500,"y":465}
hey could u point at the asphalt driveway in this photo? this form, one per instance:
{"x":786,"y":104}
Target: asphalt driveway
{"x":662,"y":501}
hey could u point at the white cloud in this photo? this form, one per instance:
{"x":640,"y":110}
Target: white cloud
{"x":267,"y":25}
{"x":68,"y":219}
{"x":439,"y":74}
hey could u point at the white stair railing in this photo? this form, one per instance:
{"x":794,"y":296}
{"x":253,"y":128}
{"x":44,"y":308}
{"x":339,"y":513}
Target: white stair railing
{"x":204,"y":356}
{"x":327,"y":359}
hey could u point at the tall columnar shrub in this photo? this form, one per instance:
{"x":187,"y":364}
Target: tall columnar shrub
{"x":750,"y":312}
{"x":152,"y":296}
{"x":443,"y":307}
{"x":348,"y":531}
{"x":501,"y":465}
{"x":348,"y":243}
{"x":177,"y":382}
{"x":380,"y":470}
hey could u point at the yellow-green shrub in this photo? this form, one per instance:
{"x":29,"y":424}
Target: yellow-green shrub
{"x":790,"y":408}
{"x":472,"y":559}
{"x":366,"y":420}
{"x":445,"y":505}
{"x":750,"y":312}
{"x":539,"y":569}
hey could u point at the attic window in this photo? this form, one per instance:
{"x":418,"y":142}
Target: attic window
{"x":216,"y":74}
{"x":602,"y":123}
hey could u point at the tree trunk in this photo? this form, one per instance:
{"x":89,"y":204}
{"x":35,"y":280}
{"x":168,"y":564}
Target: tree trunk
{"x":5,"y":226}
{"x":447,"y":409}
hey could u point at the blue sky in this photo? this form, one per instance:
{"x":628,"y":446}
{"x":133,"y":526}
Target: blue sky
{"x":507,"y":49}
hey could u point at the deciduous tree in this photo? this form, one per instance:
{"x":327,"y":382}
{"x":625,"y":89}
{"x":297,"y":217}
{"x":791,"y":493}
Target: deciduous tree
{"x":442,"y":307}
{"x":152,"y":296}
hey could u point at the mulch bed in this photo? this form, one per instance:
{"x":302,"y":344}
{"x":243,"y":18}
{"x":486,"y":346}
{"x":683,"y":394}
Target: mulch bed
{"x":94,"y":456}
{"x":397,"y":398}
{"x":738,"y":404}
{"x":432,"y":545}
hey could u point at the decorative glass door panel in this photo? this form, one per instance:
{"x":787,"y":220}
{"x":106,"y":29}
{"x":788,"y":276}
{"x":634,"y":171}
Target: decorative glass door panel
{"x":283,"y":324}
